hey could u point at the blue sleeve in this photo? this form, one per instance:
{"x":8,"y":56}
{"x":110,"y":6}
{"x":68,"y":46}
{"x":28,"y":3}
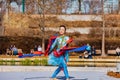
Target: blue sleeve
{"x":66,"y":52}
{"x":53,"y":45}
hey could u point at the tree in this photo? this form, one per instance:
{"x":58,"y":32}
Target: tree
{"x":8,"y":8}
{"x":30,"y":6}
{"x":41,"y":5}
{"x":48,"y":7}
{"x":43,"y":27}
{"x":19,"y":2}
{"x":119,"y":6}
{"x":103,"y":32}
{"x":79,"y":1}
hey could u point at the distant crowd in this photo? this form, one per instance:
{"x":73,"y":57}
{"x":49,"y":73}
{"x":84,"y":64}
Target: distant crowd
{"x":37,"y":49}
{"x":13,"y":50}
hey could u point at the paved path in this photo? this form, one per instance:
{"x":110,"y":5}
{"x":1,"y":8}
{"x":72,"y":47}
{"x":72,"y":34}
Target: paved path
{"x":44,"y":73}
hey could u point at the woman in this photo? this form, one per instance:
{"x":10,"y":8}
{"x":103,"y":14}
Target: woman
{"x":59,"y":43}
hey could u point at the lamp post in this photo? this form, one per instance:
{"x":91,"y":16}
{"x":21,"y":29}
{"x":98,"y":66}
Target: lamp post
{"x":23,"y":6}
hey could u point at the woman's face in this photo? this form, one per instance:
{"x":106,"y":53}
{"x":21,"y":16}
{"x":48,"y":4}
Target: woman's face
{"x":62,"y":30}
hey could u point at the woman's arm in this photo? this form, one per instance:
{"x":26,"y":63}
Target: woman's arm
{"x":53,"y":45}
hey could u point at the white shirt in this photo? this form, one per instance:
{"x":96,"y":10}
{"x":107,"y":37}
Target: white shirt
{"x":118,"y":50}
{"x":39,"y":48}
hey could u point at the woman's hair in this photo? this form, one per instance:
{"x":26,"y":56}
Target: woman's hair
{"x":62,"y":26}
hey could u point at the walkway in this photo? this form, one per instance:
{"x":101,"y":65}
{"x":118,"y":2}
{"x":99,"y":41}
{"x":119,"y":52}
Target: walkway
{"x":44,"y":73}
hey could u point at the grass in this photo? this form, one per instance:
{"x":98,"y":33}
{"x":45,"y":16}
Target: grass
{"x":9,"y":60}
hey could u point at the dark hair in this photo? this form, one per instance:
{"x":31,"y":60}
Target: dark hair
{"x":62,"y":26}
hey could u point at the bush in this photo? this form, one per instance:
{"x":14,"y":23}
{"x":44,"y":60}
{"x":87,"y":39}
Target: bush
{"x":5,"y":62}
{"x":12,"y":62}
{"x":26,"y":62}
{"x":1,"y":62}
{"x":36,"y":62}
{"x":44,"y":62}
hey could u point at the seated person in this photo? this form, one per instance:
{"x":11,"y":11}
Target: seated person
{"x":89,"y":51}
{"x":20,"y":53}
{"x":8,"y":52}
{"x":39,"y":48}
{"x":118,"y":51}
{"x":10,"y":48}
{"x":35,"y":48}
{"x":32,"y":51}
{"x":93,"y":50}
{"x":86,"y":55}
{"x":14,"y":50}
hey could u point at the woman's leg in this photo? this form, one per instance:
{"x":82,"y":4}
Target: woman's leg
{"x":56,"y":71}
{"x":63,"y":66}
{"x":65,"y":69}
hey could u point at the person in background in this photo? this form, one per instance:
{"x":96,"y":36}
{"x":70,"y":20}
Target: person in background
{"x":86,"y":55}
{"x":35,"y":48}
{"x":89,"y":51}
{"x":14,"y":50}
{"x":118,"y":51}
{"x":10,"y":48}
{"x":32,"y":51}
{"x":93,"y":50}
{"x":39,"y":48}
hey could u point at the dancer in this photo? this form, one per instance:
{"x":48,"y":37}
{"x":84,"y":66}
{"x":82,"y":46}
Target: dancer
{"x":59,"y":58}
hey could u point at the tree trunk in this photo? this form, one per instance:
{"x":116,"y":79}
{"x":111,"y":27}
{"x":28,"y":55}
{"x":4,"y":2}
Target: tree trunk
{"x":79,"y":1}
{"x":103,"y":32}
{"x":43,"y":29}
{"x":119,"y":6}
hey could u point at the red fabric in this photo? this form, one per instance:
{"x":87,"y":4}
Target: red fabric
{"x":69,"y":41}
{"x":49,"y":44}
{"x":58,"y":54}
{"x":37,"y":52}
{"x":61,"y":52}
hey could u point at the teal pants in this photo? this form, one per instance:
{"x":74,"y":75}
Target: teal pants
{"x":62,"y":66}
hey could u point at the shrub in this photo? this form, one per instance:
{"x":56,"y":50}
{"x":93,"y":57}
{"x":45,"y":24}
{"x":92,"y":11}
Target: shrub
{"x":36,"y":62}
{"x":1,"y":62}
{"x":44,"y":62}
{"x":12,"y":62}
{"x":26,"y":62}
{"x":5,"y":62}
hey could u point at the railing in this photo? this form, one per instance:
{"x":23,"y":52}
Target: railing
{"x":74,"y":61}
{"x":94,"y":62}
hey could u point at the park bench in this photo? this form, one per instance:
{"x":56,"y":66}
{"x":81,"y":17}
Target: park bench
{"x":111,"y":52}
{"x":98,"y":52}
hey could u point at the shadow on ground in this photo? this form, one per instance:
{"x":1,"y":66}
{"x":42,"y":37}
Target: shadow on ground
{"x":59,"y":78}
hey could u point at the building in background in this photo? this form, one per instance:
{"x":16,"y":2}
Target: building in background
{"x":94,"y":6}
{"x":111,"y":6}
{"x":75,"y":7}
